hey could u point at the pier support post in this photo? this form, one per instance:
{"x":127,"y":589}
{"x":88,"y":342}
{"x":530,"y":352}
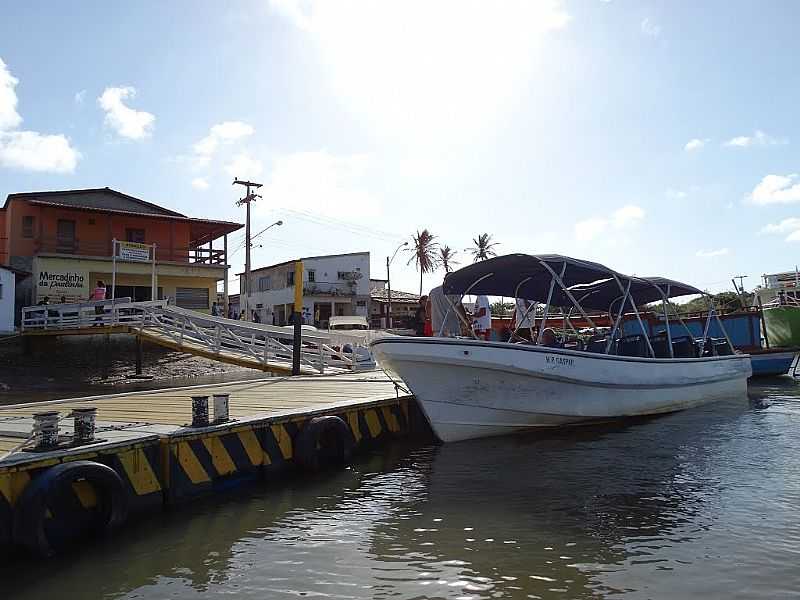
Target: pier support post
{"x":138,"y":355}
{"x":298,"y":318}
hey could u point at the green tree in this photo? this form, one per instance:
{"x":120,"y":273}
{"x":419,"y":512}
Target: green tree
{"x":447,"y":258}
{"x":483,"y":247}
{"x":425,"y":251}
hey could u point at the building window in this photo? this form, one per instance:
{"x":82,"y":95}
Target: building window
{"x":289,"y":278}
{"x":195,"y":298}
{"x":134,"y":235}
{"x":27,"y":226}
{"x":343,"y":275}
{"x":91,"y":221}
{"x":361,"y":303}
{"x":264,"y":283}
{"x":312,"y":276}
{"x":66,"y":236}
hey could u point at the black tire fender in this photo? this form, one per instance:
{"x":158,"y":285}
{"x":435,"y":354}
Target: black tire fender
{"x":30,"y":512}
{"x":323,"y":442}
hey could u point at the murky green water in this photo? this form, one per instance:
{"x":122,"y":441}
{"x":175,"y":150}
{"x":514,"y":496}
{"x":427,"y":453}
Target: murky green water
{"x":704,"y":503}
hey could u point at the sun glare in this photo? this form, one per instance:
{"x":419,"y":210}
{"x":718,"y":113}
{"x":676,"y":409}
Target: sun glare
{"x":423,"y":68}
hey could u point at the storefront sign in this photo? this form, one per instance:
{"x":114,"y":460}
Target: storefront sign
{"x":134,"y":251}
{"x":61,"y":283}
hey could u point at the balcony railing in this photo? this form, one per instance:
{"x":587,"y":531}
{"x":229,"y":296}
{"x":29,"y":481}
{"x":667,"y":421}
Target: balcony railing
{"x":201,"y":256}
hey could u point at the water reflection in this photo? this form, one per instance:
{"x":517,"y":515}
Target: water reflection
{"x":666,"y":507}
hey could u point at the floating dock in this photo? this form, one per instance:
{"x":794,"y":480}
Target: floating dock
{"x":148,"y":450}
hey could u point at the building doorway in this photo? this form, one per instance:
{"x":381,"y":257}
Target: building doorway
{"x":322,"y":314}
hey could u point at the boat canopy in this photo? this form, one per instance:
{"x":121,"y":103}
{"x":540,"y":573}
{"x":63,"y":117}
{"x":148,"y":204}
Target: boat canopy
{"x":593,"y":285}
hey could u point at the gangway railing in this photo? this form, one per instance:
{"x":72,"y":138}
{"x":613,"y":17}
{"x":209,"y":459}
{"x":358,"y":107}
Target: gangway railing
{"x":96,"y":313}
{"x":253,"y":344}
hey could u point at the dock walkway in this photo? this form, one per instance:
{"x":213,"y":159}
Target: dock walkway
{"x":147,"y":439}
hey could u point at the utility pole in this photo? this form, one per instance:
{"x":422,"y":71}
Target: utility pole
{"x":741,"y":284}
{"x":249,"y":197}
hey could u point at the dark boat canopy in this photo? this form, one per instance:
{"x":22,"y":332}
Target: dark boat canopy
{"x":593,"y":285}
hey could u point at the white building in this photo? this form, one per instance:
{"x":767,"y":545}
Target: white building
{"x":7,"y":286}
{"x":337,"y":284}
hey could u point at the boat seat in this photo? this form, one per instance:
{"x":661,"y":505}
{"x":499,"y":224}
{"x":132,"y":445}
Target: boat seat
{"x":721,"y":347}
{"x":683,"y":347}
{"x":633,"y":345}
{"x":660,"y":346}
{"x":598,"y":345}
{"x":708,"y":347}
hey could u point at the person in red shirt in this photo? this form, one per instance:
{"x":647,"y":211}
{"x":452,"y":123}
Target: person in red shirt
{"x":99,"y":293}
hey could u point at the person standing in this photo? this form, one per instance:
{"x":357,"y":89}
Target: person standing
{"x":522,"y":318}
{"x":214,"y":309}
{"x":98,"y":294}
{"x":482,"y":318}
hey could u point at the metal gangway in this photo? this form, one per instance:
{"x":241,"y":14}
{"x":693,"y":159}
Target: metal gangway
{"x":253,"y":345}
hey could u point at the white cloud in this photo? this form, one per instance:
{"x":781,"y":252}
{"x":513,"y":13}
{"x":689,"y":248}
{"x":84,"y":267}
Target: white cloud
{"x":9,"y":117}
{"x":226,"y":133}
{"x":29,"y":150}
{"x":200,"y":183}
{"x":675,"y":194}
{"x":712,"y":253}
{"x":759,"y":138}
{"x":695,"y":144}
{"x":776,"y":189}
{"x":623,"y":218}
{"x":785,"y":226}
{"x":244,"y":166}
{"x":627,"y":216}
{"x":321,"y":182}
{"x":588,"y":229}
{"x":126,"y":121}
{"x":33,"y":151}
{"x":80,"y":97}
{"x":650,"y":29}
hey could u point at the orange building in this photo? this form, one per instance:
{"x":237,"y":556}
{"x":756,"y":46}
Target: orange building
{"x":64,"y":239}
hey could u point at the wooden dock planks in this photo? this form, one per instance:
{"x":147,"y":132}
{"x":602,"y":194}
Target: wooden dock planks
{"x":163,"y":411}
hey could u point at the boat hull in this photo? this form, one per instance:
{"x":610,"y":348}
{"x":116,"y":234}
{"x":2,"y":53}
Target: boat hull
{"x":770,"y":362}
{"x":472,"y":389}
{"x":782,"y":324}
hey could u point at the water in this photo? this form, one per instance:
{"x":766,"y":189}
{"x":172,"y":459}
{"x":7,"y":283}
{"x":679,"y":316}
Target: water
{"x":703,"y":503}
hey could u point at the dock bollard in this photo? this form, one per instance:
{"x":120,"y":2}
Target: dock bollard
{"x":84,"y":424}
{"x":221,"y":404}
{"x":199,"y":411}
{"x":45,"y":429}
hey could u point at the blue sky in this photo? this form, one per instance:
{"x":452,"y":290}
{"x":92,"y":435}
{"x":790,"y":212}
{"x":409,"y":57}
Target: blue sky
{"x":656,"y":137}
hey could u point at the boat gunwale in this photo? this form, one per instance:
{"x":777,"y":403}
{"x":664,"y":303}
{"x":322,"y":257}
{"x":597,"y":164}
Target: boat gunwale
{"x":549,"y":350}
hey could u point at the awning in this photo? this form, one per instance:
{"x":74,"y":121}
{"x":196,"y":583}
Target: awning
{"x":595,"y":286}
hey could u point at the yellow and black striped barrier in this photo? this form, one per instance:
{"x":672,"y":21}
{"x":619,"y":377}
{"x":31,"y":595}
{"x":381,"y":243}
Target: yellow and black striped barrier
{"x":178,"y":466}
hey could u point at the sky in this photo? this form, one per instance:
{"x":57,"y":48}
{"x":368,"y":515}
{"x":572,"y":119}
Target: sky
{"x":658,"y":138}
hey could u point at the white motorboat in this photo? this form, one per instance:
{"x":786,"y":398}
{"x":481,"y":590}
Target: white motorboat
{"x":470,"y":388}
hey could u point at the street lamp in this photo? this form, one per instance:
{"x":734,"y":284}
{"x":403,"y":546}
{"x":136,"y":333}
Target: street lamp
{"x":389,"y":285}
{"x":247,"y":277}
{"x":278,"y":223}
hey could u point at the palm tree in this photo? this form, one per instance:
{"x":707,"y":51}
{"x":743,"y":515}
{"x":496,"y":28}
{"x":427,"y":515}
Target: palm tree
{"x":424,"y":253}
{"x":447,"y":258}
{"x":483,"y":248}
